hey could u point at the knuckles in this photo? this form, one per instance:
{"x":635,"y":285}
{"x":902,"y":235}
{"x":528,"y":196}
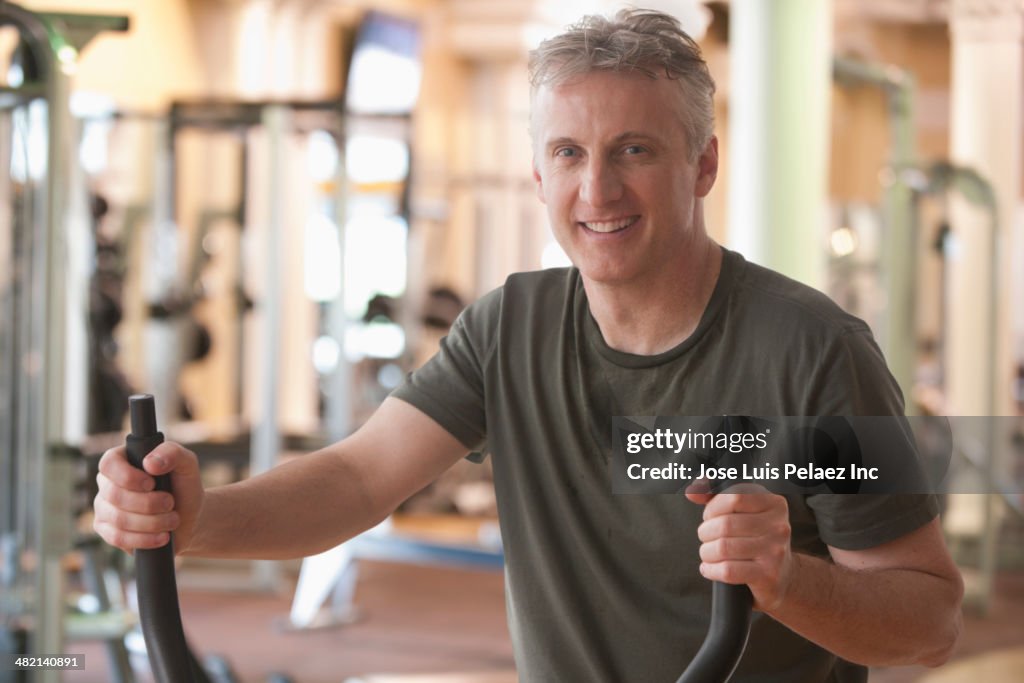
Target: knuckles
{"x":116,"y":538}
{"x":116,"y":518}
{"x":729,"y":574}
{"x":727,"y":526}
{"x":155,"y":505}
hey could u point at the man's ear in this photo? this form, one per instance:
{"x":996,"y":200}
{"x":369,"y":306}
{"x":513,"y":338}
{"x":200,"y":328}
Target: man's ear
{"x":707,"y":168}
{"x":540,"y":183}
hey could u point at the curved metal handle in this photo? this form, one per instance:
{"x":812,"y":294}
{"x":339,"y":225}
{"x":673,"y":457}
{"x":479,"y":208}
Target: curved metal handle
{"x":731,"y":608}
{"x":716,"y":660}
{"x":159,"y":613}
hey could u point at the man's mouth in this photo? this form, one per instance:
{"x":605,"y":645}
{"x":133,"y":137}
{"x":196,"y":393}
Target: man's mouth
{"x":609,"y":226}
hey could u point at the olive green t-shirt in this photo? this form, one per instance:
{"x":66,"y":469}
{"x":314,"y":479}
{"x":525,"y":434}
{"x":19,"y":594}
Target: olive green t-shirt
{"x":605,"y":588}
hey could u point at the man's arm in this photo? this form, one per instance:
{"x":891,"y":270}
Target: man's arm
{"x":896,"y":603}
{"x":300,"y":508}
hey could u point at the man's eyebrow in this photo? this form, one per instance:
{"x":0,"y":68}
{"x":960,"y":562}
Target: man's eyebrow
{"x":634,"y":135}
{"x":554,"y":142}
{"x":627,"y":135}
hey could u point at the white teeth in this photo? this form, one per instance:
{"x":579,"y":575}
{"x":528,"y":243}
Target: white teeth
{"x":610,"y":226}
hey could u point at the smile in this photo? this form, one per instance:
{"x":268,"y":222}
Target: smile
{"x":610,"y":226}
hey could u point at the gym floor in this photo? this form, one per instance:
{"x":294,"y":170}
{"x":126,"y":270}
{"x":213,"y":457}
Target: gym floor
{"x":415,"y":620}
{"x":428,"y":625}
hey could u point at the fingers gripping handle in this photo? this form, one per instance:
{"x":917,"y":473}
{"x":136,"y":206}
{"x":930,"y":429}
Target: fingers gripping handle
{"x":159,"y":613}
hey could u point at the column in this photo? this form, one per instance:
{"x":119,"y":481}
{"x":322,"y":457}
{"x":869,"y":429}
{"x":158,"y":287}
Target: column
{"x":778,"y":126}
{"x":986,"y":137}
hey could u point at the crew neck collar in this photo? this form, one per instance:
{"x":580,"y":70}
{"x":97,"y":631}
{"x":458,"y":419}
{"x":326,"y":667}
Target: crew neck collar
{"x":731,"y":263}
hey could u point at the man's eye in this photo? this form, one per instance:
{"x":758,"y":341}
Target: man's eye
{"x":634,"y":149}
{"x":565,"y":152}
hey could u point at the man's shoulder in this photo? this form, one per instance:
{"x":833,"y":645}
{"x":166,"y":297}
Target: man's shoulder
{"x":789,"y":304}
{"x":530,"y":288}
{"x":829,"y":355}
{"x":524,"y":295}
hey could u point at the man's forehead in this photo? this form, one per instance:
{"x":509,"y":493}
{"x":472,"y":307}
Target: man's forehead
{"x":619,"y":103}
{"x":574,"y":80}
{"x":600,"y":90}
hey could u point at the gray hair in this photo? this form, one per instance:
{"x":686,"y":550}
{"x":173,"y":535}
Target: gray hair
{"x":636,"y":40}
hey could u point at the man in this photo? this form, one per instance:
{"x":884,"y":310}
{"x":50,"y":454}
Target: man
{"x":654,"y":318}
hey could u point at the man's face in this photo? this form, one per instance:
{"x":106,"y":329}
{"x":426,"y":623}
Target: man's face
{"x":611,"y":164}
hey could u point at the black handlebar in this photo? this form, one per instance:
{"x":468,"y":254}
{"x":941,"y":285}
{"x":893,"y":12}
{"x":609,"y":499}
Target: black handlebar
{"x":731,"y":607}
{"x":159,"y":614}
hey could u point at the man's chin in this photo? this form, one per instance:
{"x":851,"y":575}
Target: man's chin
{"x":608,"y":275}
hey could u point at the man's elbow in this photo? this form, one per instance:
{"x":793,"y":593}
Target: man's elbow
{"x":944,"y":646}
{"x":947,"y":635}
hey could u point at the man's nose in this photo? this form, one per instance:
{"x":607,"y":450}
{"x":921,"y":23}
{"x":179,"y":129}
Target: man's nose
{"x":600,"y":184}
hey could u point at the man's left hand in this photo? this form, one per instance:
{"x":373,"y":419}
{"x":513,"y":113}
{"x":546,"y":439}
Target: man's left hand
{"x":745,"y":539}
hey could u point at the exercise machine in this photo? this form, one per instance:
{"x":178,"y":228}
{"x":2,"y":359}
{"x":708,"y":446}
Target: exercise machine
{"x":173,"y":662}
{"x":170,"y":657}
{"x":43,"y":226}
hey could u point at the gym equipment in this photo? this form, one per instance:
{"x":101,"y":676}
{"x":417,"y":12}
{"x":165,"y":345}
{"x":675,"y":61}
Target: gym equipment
{"x":173,"y":662}
{"x":96,"y":573}
{"x":728,"y":631}
{"x":170,"y":657}
{"x":158,"y":591}
{"x":906,"y":182}
{"x":43,"y":354}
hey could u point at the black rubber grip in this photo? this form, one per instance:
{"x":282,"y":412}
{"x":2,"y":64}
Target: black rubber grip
{"x":159,"y":613}
{"x":715,"y":662}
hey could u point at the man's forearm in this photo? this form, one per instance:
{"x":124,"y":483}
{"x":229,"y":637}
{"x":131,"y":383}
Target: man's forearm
{"x":875,"y":617}
{"x":319,"y":500}
{"x":297,"y":509}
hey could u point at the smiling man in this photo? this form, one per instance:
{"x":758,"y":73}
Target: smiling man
{"x":653,"y":318}
{"x":623,"y":185}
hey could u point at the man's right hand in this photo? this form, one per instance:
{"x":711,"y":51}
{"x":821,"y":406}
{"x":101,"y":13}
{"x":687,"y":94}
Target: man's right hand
{"x":130,"y":514}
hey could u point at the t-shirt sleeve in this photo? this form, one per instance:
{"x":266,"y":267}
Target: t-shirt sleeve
{"x":857,"y":521}
{"x":853,"y":380}
{"x":449,"y":387}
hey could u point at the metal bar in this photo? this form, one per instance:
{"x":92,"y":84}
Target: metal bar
{"x":899,"y":249}
{"x":53,"y":510}
{"x":338,"y":409}
{"x":266,"y":438}
{"x":8,"y":327}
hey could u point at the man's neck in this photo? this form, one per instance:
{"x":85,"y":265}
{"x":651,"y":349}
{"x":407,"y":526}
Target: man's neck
{"x":659,"y":313}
